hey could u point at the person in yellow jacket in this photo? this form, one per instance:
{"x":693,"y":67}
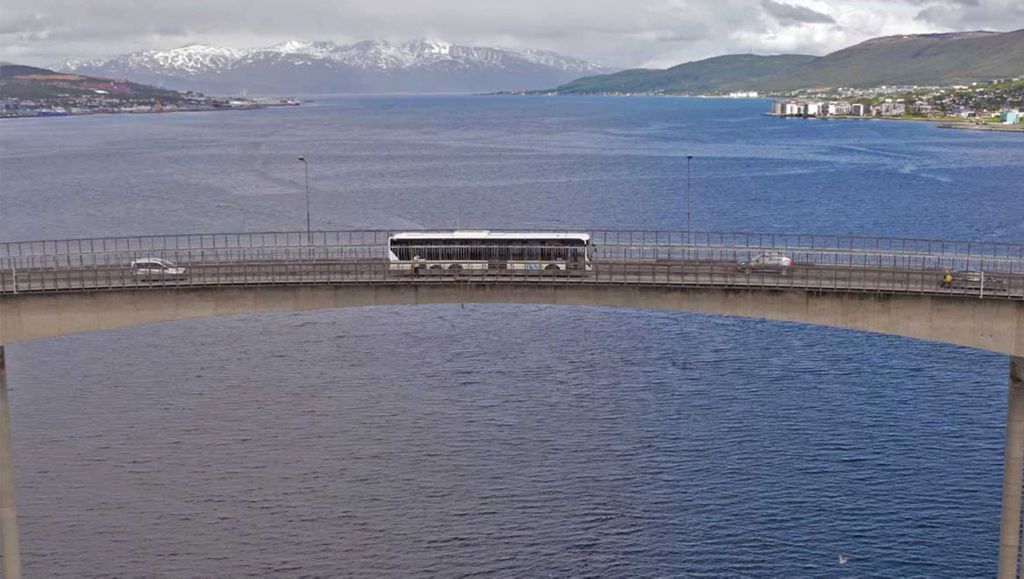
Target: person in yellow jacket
{"x":947,"y":279}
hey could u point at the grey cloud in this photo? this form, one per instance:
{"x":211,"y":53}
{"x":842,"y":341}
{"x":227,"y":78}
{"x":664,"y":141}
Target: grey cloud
{"x":941,"y":15}
{"x":946,"y":2}
{"x":792,"y":14}
{"x":677,"y":36}
{"x":684,"y":31}
{"x":623,"y":33}
{"x":22,"y":24}
{"x":972,"y":14}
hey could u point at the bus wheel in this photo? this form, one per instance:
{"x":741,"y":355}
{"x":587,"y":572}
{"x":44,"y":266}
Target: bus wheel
{"x":455,"y":268}
{"x":552,"y":266}
{"x":435,"y":266}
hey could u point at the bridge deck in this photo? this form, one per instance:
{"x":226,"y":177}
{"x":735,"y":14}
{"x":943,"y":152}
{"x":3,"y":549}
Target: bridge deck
{"x":821,"y":262}
{"x":674,"y":273}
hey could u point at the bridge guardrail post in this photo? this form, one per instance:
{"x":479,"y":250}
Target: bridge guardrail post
{"x":9,"y":543}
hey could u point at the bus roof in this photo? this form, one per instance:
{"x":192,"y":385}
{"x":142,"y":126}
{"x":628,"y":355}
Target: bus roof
{"x":484,"y":234}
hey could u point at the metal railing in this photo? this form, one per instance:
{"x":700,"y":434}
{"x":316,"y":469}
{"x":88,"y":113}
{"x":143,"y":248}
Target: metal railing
{"x":826,"y":262}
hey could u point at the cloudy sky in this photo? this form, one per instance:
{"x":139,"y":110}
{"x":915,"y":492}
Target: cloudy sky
{"x":616,"y":32}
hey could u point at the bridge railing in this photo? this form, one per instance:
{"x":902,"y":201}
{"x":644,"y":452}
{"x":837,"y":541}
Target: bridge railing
{"x":641,"y":244}
{"x":833,"y":250}
{"x":205,"y":246}
{"x":669,"y":257}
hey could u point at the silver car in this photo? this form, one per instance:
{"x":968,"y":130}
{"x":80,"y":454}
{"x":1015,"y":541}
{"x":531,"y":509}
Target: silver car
{"x":769,"y":262}
{"x":974,"y":279}
{"x":156,"y":268}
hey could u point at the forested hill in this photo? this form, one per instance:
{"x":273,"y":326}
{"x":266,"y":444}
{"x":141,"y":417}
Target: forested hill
{"x":922,"y":59}
{"x":718,"y":74}
{"x":32,"y":83}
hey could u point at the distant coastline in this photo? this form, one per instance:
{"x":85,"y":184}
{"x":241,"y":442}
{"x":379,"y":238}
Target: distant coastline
{"x":983,"y":127}
{"x":31,"y":92}
{"x":145,"y":110}
{"x":942,"y":123}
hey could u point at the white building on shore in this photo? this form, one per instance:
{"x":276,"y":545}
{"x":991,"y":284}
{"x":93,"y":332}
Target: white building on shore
{"x":798,"y":108}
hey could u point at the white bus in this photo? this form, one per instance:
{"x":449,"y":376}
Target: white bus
{"x":483,"y":251}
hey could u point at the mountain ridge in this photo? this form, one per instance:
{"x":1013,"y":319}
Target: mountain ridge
{"x":715,"y":74}
{"x":919,"y":59}
{"x":924,"y":59}
{"x":366,"y":66}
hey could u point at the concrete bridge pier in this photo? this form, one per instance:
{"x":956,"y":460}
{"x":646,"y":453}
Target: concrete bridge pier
{"x":1009,"y":530}
{"x":9,"y":525}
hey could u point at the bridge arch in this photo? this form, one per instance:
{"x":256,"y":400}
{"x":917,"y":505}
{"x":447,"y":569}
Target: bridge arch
{"x":989,"y":324}
{"x":994,"y":325}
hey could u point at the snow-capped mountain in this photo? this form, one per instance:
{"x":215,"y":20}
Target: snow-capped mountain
{"x":190,"y":60}
{"x":299,"y":66}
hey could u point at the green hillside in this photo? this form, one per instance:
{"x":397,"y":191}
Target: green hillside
{"x":31,"y":83}
{"x":924,"y":59}
{"x":8,"y":70}
{"x":718,"y":74}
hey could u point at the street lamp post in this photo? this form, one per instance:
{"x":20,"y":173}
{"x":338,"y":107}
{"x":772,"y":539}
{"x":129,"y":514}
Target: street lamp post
{"x":688,"y":205}
{"x":309,"y":231}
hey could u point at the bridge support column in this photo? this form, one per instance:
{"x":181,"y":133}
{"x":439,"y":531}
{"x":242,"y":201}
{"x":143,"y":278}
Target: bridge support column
{"x":1009,"y":528}
{"x":9,"y":524}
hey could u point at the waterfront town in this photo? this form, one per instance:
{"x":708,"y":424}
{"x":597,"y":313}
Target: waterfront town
{"x":34,"y":92}
{"x":101,"y":104}
{"x":997,"y":102}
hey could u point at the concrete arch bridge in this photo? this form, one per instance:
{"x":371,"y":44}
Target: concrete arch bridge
{"x":965,"y":293}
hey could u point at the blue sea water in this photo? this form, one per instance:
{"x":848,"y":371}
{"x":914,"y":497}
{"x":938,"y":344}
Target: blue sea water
{"x":505,"y":440}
